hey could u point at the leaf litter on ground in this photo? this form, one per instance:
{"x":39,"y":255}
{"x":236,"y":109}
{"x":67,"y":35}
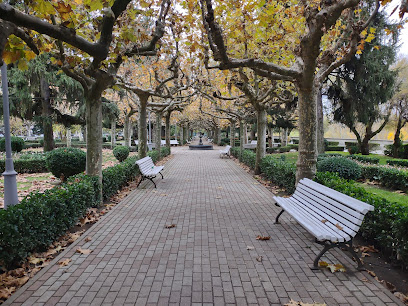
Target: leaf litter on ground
{"x":332,"y":267}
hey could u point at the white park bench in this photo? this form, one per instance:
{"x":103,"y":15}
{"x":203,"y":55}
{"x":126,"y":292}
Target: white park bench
{"x":331,"y":217}
{"x":174,"y":142}
{"x":148,"y":170}
{"x":225,"y":152}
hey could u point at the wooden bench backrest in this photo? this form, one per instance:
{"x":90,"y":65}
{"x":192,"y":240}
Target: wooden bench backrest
{"x":334,"y":209}
{"x":145,"y":164}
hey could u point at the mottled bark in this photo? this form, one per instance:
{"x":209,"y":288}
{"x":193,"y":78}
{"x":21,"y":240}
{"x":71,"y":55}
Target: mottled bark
{"x":261,"y":142}
{"x":246,"y":133}
{"x":182,"y":135}
{"x":94,"y":137}
{"x":306,"y":164}
{"x":142,"y":149}
{"x":69,"y":137}
{"x":397,"y":140}
{"x":320,"y":127}
{"x":83,"y":130}
{"x":158,"y":133}
{"x":127,"y":129}
{"x":270,"y":136}
{"x":113,"y":133}
{"x":185,"y":135}
{"x":232,"y":133}
{"x":46,"y":116}
{"x":242,"y":126}
{"x":168,"y":130}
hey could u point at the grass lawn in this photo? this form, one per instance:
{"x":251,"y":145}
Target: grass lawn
{"x":393,"y":196}
{"x":27,"y":183}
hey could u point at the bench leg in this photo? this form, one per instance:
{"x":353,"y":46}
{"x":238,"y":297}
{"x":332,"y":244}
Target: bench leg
{"x":328,"y":246}
{"x":354,"y":254}
{"x":277,"y":217}
{"x":151,"y":179}
{"x":325,"y":249}
{"x":142,"y":179}
{"x":161,"y":175}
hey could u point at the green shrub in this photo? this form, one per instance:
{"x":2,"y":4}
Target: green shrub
{"x":121,"y":153}
{"x":365,"y":159}
{"x":165,"y":151}
{"x":223,"y":144}
{"x":41,"y":218}
{"x":294,"y":146}
{"x":324,"y":155}
{"x":402,"y":153}
{"x":388,"y":177}
{"x":346,"y":168}
{"x":386,"y":225}
{"x":334,"y":148}
{"x":32,"y":145}
{"x":271,"y":150}
{"x":398,"y":162}
{"x":284,"y":149}
{"x":279,"y":172}
{"x":65,"y":162}
{"x":353,"y":150}
{"x":17,"y":144}
{"x":32,"y":165}
{"x":249,"y":158}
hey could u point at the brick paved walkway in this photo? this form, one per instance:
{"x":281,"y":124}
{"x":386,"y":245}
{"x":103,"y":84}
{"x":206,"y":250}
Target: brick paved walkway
{"x":218,"y":210}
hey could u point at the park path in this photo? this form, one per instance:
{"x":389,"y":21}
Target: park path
{"x":218,"y":210}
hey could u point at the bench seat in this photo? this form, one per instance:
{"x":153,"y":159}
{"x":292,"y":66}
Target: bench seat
{"x":331,"y":217}
{"x":148,"y":170}
{"x":225,"y":152}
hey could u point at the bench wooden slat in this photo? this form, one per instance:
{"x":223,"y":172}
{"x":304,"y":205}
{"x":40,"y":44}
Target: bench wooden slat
{"x":320,"y":215}
{"x":347,"y":212}
{"x":311,"y":225}
{"x":334,"y":233}
{"x":338,"y":196}
{"x":338,"y":214}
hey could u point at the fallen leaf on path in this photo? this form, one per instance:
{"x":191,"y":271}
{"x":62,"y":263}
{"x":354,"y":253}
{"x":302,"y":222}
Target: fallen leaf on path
{"x":388,"y":285}
{"x":368,"y":248}
{"x":35,"y":260}
{"x":83,"y":251}
{"x":332,"y":267}
{"x":170,"y":226}
{"x":87,"y":239}
{"x":259,"y":237}
{"x":250,"y":247}
{"x":6,"y":292}
{"x":259,"y":258}
{"x":64,"y":262}
{"x":295,"y":303}
{"x":365,"y":254}
{"x":371,"y":273}
{"x":218,"y":197}
{"x":402,"y":297}
{"x":365,"y":280}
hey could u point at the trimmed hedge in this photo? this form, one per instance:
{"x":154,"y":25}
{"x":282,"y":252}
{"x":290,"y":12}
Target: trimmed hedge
{"x":403,"y":151}
{"x":17,"y":144}
{"x":66,"y":162}
{"x":334,"y":148}
{"x":248,"y":156}
{"x":279,"y":172}
{"x":365,"y":159}
{"x":346,"y":168}
{"x":387,"y":225}
{"x":41,"y":218}
{"x":33,"y":165}
{"x":388,"y":177}
{"x":398,"y":162}
{"x":121,"y":153}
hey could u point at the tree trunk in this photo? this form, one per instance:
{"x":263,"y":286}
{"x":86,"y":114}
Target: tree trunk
{"x":185,"y":135}
{"x":242,"y":127}
{"x":232,"y":133}
{"x":83,"y":131}
{"x":142,"y":149}
{"x":253,"y":131}
{"x":397,"y":141}
{"x":158,"y":134}
{"x":306,"y":164}
{"x":113,"y":133}
{"x":261,"y":142}
{"x":246,"y":133}
{"x":320,"y":127}
{"x":46,"y":116}
{"x":168,"y":130}
{"x":182,"y":135}
{"x":364,"y":147}
{"x":69,"y":137}
{"x":94,"y":138}
{"x":270,"y":136}
{"x":126,"y":129}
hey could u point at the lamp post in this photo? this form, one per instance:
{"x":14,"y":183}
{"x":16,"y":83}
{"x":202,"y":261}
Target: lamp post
{"x":10,"y":182}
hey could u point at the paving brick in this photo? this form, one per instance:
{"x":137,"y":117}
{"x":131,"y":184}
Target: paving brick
{"x":218,"y":209}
